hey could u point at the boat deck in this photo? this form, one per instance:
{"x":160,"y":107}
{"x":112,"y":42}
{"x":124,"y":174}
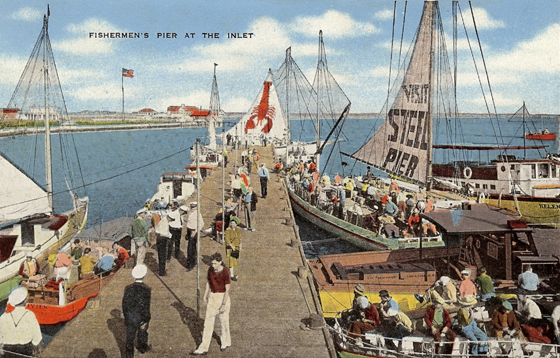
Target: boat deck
{"x":270,"y":302}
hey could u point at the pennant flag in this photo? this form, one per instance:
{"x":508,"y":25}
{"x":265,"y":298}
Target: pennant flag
{"x":127,"y":73}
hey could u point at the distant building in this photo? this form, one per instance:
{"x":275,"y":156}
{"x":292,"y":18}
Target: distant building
{"x":10,"y":114}
{"x":191,"y":111}
{"x":147,"y":112}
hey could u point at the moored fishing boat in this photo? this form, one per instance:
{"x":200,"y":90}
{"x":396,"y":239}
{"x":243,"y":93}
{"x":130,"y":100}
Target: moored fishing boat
{"x":27,"y":220}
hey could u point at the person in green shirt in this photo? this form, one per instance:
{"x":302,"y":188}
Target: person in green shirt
{"x":485,"y":285}
{"x":139,"y":233}
{"x":86,"y":264}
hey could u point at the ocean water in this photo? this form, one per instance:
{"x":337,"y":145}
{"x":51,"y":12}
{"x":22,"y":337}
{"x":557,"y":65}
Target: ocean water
{"x":121,"y":169}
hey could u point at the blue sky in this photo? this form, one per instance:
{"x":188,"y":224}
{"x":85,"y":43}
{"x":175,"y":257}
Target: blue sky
{"x":519,"y":39}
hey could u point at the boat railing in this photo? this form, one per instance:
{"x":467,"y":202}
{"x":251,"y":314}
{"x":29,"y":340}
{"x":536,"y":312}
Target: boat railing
{"x":377,"y":345}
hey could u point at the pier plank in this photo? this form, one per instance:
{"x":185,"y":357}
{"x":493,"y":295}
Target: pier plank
{"x":270,"y":303}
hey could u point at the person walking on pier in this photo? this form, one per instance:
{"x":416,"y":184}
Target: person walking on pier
{"x":216,"y":298}
{"x":136,"y":311}
{"x":139,"y":232}
{"x":20,"y":333}
{"x":264,"y":176}
{"x":193,"y":217}
{"x":175,"y":226}
{"x":163,"y":235}
{"x":233,"y":246}
{"x":250,"y":208}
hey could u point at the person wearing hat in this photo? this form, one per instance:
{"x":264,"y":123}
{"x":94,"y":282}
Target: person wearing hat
{"x":391,"y":208}
{"x":399,"y":326}
{"x":368,"y":319}
{"x":527,"y":311}
{"x":218,"y":303}
{"x":439,"y":323}
{"x":264,"y":177}
{"x":162,"y":242}
{"x":470,"y":329}
{"x":20,"y":333}
{"x":358,"y":292}
{"x":139,"y":232}
{"x":387,"y":303}
{"x":29,"y":267}
{"x":62,"y":265}
{"x":232,"y":238}
{"x":467,"y":289}
{"x":409,"y":203}
{"x":175,"y":226}
{"x":136,"y":311}
{"x":415,"y":223}
{"x":505,"y":324}
{"x":194,"y":224}
{"x":251,"y":201}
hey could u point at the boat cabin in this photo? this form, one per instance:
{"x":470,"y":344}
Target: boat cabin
{"x":175,"y":186}
{"x":491,"y":238}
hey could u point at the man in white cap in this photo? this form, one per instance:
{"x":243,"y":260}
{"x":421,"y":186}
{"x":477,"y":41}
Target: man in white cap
{"x":139,"y":233}
{"x":136,"y":311}
{"x":194,"y":221}
{"x":467,"y":289}
{"x":175,"y":226}
{"x":20,"y":333}
{"x":263,"y":176}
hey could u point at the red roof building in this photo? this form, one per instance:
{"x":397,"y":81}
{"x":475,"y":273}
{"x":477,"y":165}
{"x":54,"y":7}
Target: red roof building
{"x":147,"y":112}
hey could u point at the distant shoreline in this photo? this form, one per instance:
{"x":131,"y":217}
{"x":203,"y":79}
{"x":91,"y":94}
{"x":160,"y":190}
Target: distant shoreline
{"x":9,"y":132}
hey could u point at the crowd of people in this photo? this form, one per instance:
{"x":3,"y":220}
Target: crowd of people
{"x":458,"y":309}
{"x":388,"y":211}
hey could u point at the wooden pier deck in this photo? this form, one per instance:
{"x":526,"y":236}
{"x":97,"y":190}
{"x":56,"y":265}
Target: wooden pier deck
{"x":271,"y":302}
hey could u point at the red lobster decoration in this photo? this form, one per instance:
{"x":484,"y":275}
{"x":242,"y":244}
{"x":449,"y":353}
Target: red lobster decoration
{"x":262,"y":112}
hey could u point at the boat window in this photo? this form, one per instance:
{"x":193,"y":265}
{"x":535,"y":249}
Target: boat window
{"x":27,"y":234}
{"x":511,"y":167}
{"x":484,"y":186}
{"x":477,"y":186}
{"x":533,"y":171}
{"x":543,"y":170}
{"x":553,"y":170}
{"x":492,"y":187}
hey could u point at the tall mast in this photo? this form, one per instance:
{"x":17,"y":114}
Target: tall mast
{"x":524,"y":145}
{"x":48,"y":160}
{"x":429,"y":123}
{"x":288,"y":70}
{"x":318,"y":89}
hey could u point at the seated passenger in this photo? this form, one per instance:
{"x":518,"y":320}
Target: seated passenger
{"x":86,"y":264}
{"x":429,"y":229}
{"x":415,"y":223}
{"x":528,"y":280}
{"x":105,"y":264}
{"x":391,"y":208}
{"x":76,"y":252}
{"x":29,"y":267}
{"x":439,"y":323}
{"x":528,"y":312}
{"x":367,"y":321}
{"x":122,"y":254}
{"x":505,"y":324}
{"x":391,"y":230}
{"x":387,"y":303}
{"x":62,"y":266}
{"x":471,"y":331}
{"x":467,"y":289}
{"x":399,"y":326}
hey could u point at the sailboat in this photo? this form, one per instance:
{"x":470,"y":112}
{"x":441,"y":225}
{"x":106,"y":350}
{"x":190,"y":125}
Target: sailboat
{"x":28,"y":225}
{"x":402,"y":146}
{"x":353,"y":223}
{"x":209,"y":155}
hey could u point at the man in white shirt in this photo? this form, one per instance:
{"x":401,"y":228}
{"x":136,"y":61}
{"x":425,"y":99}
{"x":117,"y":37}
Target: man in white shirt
{"x":527,"y":311}
{"x":193,"y":218}
{"x":19,"y":329}
{"x":175,"y":226}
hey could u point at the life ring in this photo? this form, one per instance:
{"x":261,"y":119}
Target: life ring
{"x":467,"y":172}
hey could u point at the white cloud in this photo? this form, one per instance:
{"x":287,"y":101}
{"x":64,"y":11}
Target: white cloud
{"x":384,"y":14}
{"x":12,"y":69}
{"x":507,"y":100}
{"x":27,"y":14}
{"x":106,"y":91}
{"x":237,"y":104}
{"x":539,"y":54}
{"x":82,"y":44}
{"x":270,"y":41}
{"x":482,"y":18}
{"x":334,"y":24}
{"x":379,"y":72}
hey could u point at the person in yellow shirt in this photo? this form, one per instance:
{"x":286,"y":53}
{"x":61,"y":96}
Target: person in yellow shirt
{"x":86,"y":264}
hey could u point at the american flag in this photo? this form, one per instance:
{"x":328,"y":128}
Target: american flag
{"x":127,"y":73}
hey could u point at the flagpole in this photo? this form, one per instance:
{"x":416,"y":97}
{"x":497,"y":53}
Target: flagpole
{"x":122,"y":86}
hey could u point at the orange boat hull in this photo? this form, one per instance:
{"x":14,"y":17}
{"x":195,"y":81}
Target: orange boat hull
{"x":54,"y":314}
{"x":536,"y":136}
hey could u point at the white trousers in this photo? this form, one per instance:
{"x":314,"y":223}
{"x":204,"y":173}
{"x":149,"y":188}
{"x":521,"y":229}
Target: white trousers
{"x":212,"y":310}
{"x":62,"y":272}
{"x":139,"y":249}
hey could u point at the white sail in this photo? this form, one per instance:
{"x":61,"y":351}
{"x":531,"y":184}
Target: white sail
{"x":20,"y":196}
{"x":401,"y":144}
{"x":264,"y":118}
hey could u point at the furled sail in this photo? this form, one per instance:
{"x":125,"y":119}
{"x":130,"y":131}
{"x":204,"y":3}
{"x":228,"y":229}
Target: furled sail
{"x":401,"y":145}
{"x":20,"y":196}
{"x":264,"y":118}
